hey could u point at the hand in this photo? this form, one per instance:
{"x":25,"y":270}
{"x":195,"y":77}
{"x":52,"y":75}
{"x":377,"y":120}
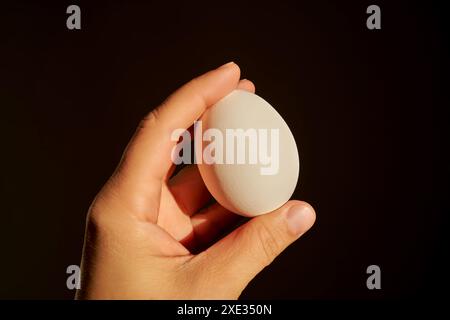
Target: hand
{"x":146,"y":237}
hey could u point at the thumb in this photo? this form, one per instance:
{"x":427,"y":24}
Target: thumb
{"x":241,"y":255}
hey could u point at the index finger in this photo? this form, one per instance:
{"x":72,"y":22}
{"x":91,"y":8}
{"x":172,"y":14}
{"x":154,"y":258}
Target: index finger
{"x":148,"y":155}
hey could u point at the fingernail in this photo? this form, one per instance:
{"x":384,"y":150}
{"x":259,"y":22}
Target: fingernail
{"x":226,"y":65}
{"x":299,"y":218}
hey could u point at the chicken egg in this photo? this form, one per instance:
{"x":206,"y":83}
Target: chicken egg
{"x":248,"y":157}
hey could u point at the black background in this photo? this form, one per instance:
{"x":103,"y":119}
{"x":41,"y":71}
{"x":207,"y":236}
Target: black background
{"x":365,"y":107}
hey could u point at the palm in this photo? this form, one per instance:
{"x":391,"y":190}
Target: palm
{"x":182,"y":213}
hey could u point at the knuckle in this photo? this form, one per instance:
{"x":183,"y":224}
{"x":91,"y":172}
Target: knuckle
{"x":150,"y":119}
{"x":269,"y":242}
{"x":96,"y":220}
{"x":101,"y":211}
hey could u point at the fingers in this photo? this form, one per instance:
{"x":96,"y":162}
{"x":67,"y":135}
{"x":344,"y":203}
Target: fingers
{"x":188,"y":103}
{"x":211,"y":223}
{"x":246,"y":85}
{"x":149,"y":153}
{"x":188,"y":189}
{"x":250,"y":248}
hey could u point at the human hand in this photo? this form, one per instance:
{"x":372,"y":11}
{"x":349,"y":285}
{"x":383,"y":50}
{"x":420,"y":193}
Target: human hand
{"x":147,"y":236}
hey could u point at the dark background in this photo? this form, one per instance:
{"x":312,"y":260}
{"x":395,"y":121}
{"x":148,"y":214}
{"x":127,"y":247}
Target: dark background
{"x":365,"y":107}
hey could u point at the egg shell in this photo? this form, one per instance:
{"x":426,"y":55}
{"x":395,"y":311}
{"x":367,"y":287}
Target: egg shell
{"x":241,"y":188}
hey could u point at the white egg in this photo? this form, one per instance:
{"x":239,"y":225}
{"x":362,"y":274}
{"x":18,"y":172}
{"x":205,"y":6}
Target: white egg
{"x":250,"y":164}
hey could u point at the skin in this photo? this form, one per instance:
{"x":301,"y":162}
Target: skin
{"x":149,"y":236}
